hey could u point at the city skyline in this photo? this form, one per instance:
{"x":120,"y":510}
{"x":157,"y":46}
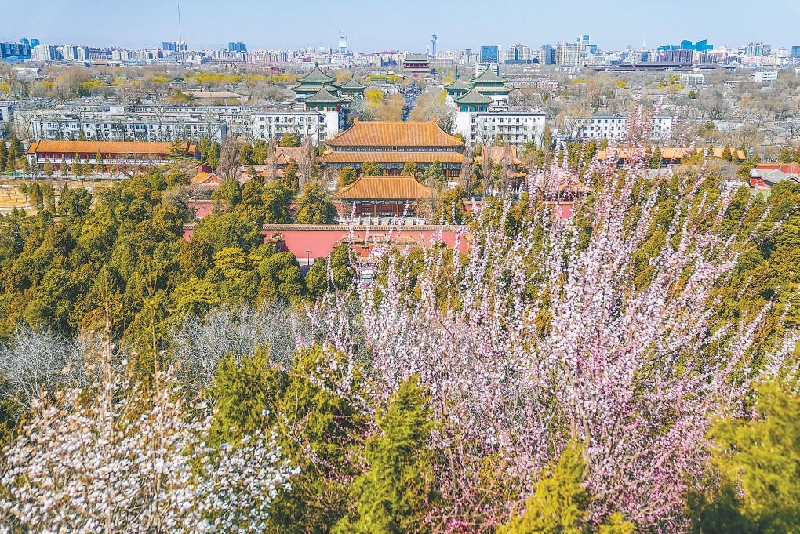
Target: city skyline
{"x":459,"y":25}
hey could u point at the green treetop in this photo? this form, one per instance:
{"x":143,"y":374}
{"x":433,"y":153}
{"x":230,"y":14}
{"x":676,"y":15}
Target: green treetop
{"x":559,"y":503}
{"x":290,"y":140}
{"x":370,"y":168}
{"x":314,"y":206}
{"x":347,"y":176}
{"x":758,"y":461}
{"x":396,"y":492}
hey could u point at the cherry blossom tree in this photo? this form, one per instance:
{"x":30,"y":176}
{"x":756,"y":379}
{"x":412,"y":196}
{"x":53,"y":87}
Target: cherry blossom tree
{"x":565,"y":332}
{"x":119,"y":457}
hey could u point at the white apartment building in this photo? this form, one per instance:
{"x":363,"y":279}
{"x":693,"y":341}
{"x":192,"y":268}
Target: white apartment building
{"x":111,"y":126}
{"x":764,"y":76}
{"x":568,"y":54}
{"x":615,"y":128}
{"x":274,"y":125}
{"x":167,"y":123}
{"x":510,"y":127}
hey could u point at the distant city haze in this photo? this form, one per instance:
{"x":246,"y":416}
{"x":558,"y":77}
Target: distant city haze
{"x":379,"y":25}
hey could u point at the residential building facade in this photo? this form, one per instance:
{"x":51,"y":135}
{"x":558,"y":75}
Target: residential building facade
{"x":509,"y":127}
{"x":167,"y":123}
{"x":614,"y":128}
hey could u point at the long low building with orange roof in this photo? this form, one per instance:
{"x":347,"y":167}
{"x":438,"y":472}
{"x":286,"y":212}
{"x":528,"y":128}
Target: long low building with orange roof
{"x":124,"y":155}
{"x":393,"y":144}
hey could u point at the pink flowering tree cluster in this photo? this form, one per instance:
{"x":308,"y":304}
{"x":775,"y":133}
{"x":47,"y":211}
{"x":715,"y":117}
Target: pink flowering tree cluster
{"x":120,"y":457}
{"x":596,"y":329}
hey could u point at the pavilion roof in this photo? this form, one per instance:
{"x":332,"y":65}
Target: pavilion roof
{"x":501,"y":154}
{"x":353,"y":85}
{"x":283,"y":154}
{"x":488,"y":77}
{"x":459,"y":85}
{"x":310,"y":88}
{"x":324,"y":96}
{"x":385,"y":188}
{"x":395,"y":134}
{"x":473,"y":97}
{"x":316,"y":76}
{"x":391,"y":156}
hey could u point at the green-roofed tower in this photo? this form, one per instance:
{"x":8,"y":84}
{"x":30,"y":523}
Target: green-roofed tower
{"x":312,"y":82}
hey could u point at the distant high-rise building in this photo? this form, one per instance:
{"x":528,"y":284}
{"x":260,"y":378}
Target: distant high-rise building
{"x":237,"y":47}
{"x":174,"y":46}
{"x":34,"y":42}
{"x":44,"y":53}
{"x":684,"y":57}
{"x":796,"y":51}
{"x":547,"y":55}
{"x":699,"y":46}
{"x":518,"y":53}
{"x":490,"y":54}
{"x":755,"y":49}
{"x":15,"y":51}
{"x":342,"y":43}
{"x":568,"y":54}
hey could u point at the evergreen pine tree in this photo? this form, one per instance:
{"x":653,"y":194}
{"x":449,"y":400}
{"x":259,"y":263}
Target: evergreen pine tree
{"x":48,"y":167}
{"x":726,"y":153}
{"x":3,"y":155}
{"x":396,"y":493}
{"x":758,"y":461}
{"x":560,"y":501}
{"x":319,"y":431}
{"x":290,"y":178}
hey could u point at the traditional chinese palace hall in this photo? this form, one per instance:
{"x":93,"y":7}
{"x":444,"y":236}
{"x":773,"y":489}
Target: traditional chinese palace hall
{"x":384,"y":196}
{"x":393,"y":144}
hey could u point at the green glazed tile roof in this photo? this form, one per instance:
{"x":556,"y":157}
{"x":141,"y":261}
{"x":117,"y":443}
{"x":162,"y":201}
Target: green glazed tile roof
{"x":488,"y":76}
{"x":323,"y":96}
{"x":474,"y":98}
{"x":316,"y":76}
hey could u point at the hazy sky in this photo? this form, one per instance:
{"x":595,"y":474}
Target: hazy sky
{"x":402,"y":25}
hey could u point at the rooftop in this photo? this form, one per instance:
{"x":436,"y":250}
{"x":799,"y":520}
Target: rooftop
{"x":395,"y":134}
{"x":415,"y":58}
{"x":316,"y":76}
{"x":390,"y":156}
{"x":488,"y":77}
{"x":459,"y":85}
{"x":385,"y":188}
{"x":103,"y":147}
{"x":474,"y":97}
{"x":353,"y":85}
{"x":323,"y":96}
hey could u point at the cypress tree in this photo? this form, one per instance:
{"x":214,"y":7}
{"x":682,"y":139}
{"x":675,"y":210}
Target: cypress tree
{"x":3,"y":155}
{"x":394,"y":495}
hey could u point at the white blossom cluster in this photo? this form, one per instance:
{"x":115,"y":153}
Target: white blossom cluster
{"x":113,"y":457}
